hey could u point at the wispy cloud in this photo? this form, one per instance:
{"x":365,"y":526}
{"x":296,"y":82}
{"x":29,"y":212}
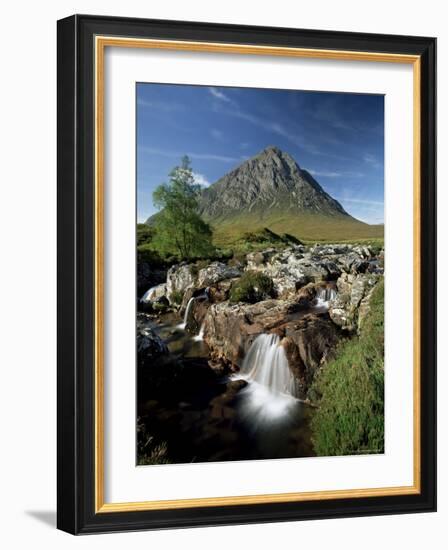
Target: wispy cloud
{"x":217,"y":134}
{"x":180,"y":154}
{"x":372,"y":160}
{"x":334,"y":174}
{"x":167,"y":106}
{"x":200,"y":179}
{"x":362,"y":201}
{"x":218,"y":94}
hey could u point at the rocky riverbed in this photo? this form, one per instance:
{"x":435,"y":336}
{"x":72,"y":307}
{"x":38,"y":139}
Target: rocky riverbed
{"x":220,"y":379}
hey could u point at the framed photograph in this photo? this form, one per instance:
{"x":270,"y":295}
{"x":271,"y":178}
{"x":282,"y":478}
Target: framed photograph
{"x":246,"y":274}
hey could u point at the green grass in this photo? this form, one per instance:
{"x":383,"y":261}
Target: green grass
{"x":251,"y":287}
{"x":350,"y":391}
{"x":310,"y":228}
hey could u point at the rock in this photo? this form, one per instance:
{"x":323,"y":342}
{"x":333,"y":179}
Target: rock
{"x":306,"y":295}
{"x":352,"y":290}
{"x":230,"y":330}
{"x":149,"y":345}
{"x":293,"y":268}
{"x":179,"y":278}
{"x":154,"y":293}
{"x":160,"y":305}
{"x":216,"y":272}
{"x":195,"y":314}
{"x":148,"y":276}
{"x":307,"y":343}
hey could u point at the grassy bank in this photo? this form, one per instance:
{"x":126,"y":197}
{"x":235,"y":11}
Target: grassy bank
{"x":350,"y":391}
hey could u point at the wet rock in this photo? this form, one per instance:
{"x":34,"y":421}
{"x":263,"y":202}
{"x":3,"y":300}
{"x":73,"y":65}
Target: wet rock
{"x":154,"y":293}
{"x":307,"y":343}
{"x":149,"y":345}
{"x":230,"y":329}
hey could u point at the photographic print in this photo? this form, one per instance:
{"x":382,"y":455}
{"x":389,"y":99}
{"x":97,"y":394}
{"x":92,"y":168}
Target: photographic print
{"x":260,"y":273}
{"x":227,"y":212}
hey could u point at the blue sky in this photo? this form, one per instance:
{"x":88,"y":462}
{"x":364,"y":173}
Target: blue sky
{"x":338,"y":137}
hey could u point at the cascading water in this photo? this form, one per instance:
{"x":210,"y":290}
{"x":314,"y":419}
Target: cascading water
{"x":199,"y":337}
{"x":147,"y":296}
{"x":266,"y":364}
{"x":271,"y":390}
{"x":324,"y":296}
{"x":186,"y":314}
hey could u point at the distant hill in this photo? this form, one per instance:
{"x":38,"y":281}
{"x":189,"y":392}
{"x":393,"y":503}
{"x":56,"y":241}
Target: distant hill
{"x":271,"y":191}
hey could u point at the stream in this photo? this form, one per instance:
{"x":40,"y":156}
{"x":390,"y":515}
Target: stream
{"x":252,"y":414}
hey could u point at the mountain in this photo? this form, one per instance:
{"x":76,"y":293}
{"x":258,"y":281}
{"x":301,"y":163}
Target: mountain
{"x":270,"y":190}
{"x":270,"y":181}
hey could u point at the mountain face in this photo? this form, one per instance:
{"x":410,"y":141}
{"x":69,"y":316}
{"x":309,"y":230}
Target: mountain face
{"x":271,"y":191}
{"x":271,"y":182}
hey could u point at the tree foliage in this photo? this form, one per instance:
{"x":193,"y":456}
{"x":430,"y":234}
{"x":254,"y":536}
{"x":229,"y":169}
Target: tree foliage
{"x":179,"y":229}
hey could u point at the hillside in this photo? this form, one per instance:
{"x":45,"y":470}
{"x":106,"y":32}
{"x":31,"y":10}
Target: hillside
{"x":270,"y":190}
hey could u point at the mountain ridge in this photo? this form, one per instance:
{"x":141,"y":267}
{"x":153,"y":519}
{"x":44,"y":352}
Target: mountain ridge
{"x":271,"y":190}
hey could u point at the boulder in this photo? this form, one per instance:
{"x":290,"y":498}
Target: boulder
{"x":352,"y":290}
{"x":307,"y":343}
{"x":179,"y":278}
{"x":154,"y":293}
{"x":230,"y":330}
{"x":149,"y":345}
{"x":291,"y":268}
{"x":216,"y":272}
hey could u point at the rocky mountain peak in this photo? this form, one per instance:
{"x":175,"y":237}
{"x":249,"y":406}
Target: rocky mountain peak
{"x":271,"y":180}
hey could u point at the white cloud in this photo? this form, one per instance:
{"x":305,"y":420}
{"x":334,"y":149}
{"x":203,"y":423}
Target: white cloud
{"x":364,"y":201}
{"x":220,"y":95}
{"x":330,"y":174}
{"x":372,"y":160}
{"x":179,"y":154}
{"x":200,"y":179}
{"x":160,"y":105}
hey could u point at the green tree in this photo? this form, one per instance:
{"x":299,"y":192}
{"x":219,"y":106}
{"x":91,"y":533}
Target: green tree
{"x":179,"y":229}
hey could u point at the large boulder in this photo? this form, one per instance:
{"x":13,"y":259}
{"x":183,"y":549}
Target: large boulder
{"x":351,"y":303}
{"x":230,"y":330}
{"x":154,"y":293}
{"x":307,"y":343}
{"x":179,"y":278}
{"x":216,"y":272}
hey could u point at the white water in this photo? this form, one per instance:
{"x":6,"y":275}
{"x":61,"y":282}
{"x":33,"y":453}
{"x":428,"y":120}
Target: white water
{"x":324,"y":296}
{"x":199,"y":337}
{"x":270,"y":393}
{"x":182,"y":326}
{"x":147,"y":296}
{"x":267,"y":365}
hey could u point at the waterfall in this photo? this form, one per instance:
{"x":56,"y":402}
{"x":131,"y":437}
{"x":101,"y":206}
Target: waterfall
{"x":187,"y":312}
{"x":147,"y":296}
{"x":199,"y":337}
{"x":270,"y":396}
{"x":266,"y":364}
{"x":325,"y":295}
